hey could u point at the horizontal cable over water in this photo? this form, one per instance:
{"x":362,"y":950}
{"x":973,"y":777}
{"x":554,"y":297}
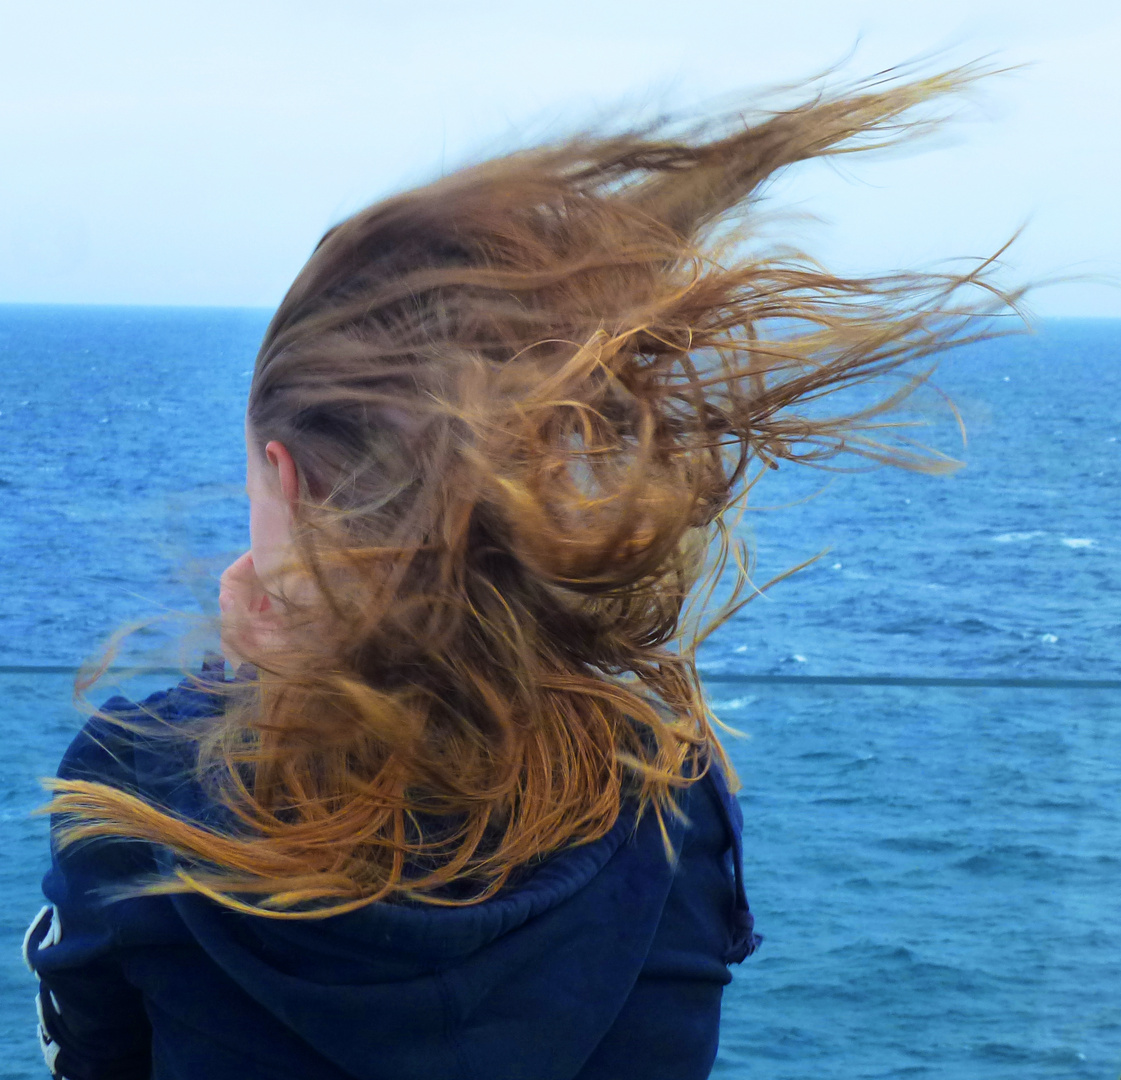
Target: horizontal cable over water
{"x":916,"y":680}
{"x":713,"y":677}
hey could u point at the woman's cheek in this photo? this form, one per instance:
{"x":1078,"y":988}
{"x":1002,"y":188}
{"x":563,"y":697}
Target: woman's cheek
{"x":268,"y":533}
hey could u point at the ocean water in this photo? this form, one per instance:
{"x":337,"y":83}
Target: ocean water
{"x":936,"y":869}
{"x":122,"y":456}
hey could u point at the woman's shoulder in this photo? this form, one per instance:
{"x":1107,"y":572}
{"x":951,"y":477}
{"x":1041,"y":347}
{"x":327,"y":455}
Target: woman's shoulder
{"x":141,"y":748}
{"x":123,"y":733}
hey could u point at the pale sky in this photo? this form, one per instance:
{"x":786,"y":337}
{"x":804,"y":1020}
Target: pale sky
{"x":193,"y":153}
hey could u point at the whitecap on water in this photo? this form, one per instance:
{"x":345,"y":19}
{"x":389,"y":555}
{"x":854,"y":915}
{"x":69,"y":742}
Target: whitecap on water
{"x":1017,"y":537}
{"x":1077,"y":542}
{"x":733,"y":703}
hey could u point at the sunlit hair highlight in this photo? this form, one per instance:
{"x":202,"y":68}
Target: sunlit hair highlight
{"x":523,"y":402}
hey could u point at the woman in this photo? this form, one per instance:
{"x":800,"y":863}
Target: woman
{"x":462,"y":812}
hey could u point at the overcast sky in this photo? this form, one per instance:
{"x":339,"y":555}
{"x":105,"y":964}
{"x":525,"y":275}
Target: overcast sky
{"x":193,"y":153}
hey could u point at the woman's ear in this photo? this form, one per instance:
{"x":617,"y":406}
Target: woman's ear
{"x":276,"y":454}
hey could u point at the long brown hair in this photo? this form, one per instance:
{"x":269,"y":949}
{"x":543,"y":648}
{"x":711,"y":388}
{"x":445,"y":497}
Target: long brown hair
{"x":522,"y":401}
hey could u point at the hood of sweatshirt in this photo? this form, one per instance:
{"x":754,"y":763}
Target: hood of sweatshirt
{"x":527,"y":984}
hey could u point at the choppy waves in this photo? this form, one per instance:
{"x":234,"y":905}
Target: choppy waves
{"x":937,"y":872}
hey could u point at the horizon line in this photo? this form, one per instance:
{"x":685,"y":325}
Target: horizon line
{"x":264,"y":308}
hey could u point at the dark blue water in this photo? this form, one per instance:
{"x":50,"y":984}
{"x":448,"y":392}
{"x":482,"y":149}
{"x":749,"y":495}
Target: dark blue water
{"x":122,"y":459}
{"x":937,"y":871}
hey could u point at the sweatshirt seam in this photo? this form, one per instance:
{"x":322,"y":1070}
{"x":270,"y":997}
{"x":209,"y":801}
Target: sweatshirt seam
{"x":447,"y":1001}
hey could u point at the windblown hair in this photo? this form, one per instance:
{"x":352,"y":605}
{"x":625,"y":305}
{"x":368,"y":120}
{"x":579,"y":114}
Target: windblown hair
{"x":522,"y":401}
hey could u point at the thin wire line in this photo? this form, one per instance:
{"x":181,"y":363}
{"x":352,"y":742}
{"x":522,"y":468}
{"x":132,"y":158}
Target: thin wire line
{"x":712,"y":677}
{"x":915,"y":680}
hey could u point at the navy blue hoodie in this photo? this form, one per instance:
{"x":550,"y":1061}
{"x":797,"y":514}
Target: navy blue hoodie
{"x":604,"y":962}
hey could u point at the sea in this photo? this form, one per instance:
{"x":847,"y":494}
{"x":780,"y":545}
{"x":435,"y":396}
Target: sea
{"x":925,"y":720}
